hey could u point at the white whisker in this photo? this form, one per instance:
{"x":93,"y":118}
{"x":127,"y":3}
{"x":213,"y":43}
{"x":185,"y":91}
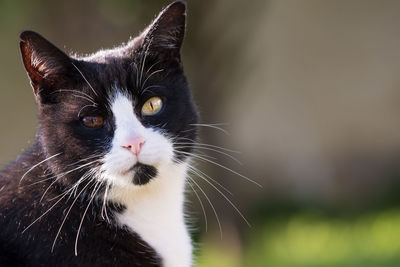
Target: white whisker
{"x":36,"y":165}
{"x":148,"y":87}
{"x":63,"y":174}
{"x":209,"y":201}
{"x":62,"y":196}
{"x":83,"y":76}
{"x":137,"y":73}
{"x":215,"y":150}
{"x":213,"y":126}
{"x":208,"y":145}
{"x":95,"y":190}
{"x":148,"y":77}
{"x":200,"y":173}
{"x":88,"y":99}
{"x":79,"y":113}
{"x":66,"y":215}
{"x":203,"y":144}
{"x":143,"y":63}
{"x":201,"y":204}
{"x":193,"y":154}
{"x":152,"y":66}
{"x":227,"y":199}
{"x":104,"y":214}
{"x":76,"y":91}
{"x":81,"y":160}
{"x":222,"y":166}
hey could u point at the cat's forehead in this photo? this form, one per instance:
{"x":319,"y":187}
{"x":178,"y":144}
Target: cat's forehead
{"x":108,"y":78}
{"x":138,"y":75}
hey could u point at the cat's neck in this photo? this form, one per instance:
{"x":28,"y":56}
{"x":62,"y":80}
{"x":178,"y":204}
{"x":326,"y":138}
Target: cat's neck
{"x":156,"y":213}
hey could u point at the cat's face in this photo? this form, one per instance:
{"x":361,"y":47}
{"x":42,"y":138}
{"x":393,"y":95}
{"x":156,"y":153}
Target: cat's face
{"x":116,"y":115}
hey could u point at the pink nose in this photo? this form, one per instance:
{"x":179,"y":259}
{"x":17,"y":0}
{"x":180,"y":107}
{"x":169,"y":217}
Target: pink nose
{"x":134,"y":144}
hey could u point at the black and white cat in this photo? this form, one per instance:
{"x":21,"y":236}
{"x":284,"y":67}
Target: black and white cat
{"x":103,"y":185}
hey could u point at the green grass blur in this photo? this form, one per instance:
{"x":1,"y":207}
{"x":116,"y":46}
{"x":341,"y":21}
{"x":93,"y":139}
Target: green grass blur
{"x":310,"y":92}
{"x":307,"y":239}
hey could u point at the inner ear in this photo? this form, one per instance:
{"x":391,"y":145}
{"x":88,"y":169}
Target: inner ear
{"x":165,"y":35}
{"x":46,"y":65}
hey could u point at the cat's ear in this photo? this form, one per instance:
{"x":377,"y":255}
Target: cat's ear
{"x":45,"y":64}
{"x":165,"y":35}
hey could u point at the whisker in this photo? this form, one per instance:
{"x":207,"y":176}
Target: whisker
{"x":81,"y":160}
{"x":143,"y":63}
{"x":200,"y":173}
{"x":193,"y":154}
{"x":209,"y":145}
{"x":73,"y":190}
{"x":201,"y":204}
{"x":148,"y":77}
{"x":79,"y":113}
{"x":204,"y":144}
{"x":98,"y":186}
{"x":70,"y":190}
{"x":148,"y":87}
{"x":152,"y":66}
{"x":209,"y":201}
{"x":222,"y":166}
{"x":63,"y":174}
{"x":227,"y":199}
{"x":40,"y":181}
{"x":213,"y":126}
{"x":41,"y":216}
{"x":104,"y":214}
{"x":66,"y":215}
{"x":215,"y":150}
{"x":137,"y":73}
{"x":83,"y":76}
{"x":88,"y":99}
{"x":76,"y":91}
{"x":36,"y":165}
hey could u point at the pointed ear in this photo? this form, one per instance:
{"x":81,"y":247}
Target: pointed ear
{"x":165,"y":34}
{"x":45,"y":64}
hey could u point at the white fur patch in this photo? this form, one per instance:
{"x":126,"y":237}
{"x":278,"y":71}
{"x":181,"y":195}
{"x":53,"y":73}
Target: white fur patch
{"x":156,"y":150}
{"x":154,"y":210}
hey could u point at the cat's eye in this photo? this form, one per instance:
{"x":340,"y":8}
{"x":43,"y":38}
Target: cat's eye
{"x":152,"y":106}
{"x":93,"y":121}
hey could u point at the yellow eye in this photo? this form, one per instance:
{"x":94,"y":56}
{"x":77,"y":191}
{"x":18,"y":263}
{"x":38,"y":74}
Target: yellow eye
{"x":152,"y":106}
{"x":93,"y":121}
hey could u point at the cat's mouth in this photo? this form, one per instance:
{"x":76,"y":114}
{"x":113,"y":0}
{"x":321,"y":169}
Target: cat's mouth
{"x":142,"y":173}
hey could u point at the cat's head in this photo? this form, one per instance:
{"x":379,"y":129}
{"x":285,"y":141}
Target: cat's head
{"x":115,"y":115}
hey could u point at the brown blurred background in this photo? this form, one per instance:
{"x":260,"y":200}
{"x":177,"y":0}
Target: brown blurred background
{"x":308,"y":91}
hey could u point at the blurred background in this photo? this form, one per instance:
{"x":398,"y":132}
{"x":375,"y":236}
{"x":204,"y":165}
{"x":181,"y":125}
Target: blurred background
{"x":307,"y":90}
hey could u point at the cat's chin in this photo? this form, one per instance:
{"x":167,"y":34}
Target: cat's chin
{"x":142,"y":173}
{"x":138,"y":175}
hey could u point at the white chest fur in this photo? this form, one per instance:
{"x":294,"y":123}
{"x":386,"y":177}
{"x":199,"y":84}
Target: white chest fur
{"x":155,"y":212}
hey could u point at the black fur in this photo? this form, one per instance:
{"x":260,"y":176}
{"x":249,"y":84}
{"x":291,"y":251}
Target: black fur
{"x":143,"y":173}
{"x":53,"y":76}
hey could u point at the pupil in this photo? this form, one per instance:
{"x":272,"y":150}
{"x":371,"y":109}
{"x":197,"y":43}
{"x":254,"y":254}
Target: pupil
{"x":151,"y":105}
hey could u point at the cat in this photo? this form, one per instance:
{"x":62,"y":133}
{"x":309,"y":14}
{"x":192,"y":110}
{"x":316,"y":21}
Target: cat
{"x":103,"y":184}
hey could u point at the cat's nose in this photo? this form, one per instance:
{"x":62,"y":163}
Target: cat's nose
{"x":134,"y":144}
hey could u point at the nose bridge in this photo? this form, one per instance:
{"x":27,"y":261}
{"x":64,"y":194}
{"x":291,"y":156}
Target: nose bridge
{"x":127,"y":124}
{"x":131,"y":134}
